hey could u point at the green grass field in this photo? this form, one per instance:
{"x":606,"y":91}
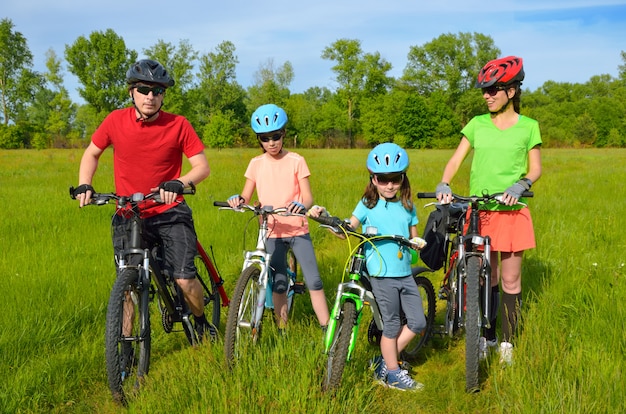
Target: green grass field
{"x":57,"y":269}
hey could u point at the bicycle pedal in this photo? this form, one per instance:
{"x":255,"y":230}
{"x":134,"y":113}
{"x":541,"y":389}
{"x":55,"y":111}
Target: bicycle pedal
{"x":298,"y":288}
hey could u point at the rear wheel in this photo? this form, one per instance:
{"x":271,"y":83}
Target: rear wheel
{"x":472,"y":323}
{"x":241,"y":327}
{"x":339,"y":347}
{"x":427,"y":293}
{"x":127,"y":337}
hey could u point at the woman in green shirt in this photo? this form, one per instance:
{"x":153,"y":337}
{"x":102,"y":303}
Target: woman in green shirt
{"x":506,"y":159}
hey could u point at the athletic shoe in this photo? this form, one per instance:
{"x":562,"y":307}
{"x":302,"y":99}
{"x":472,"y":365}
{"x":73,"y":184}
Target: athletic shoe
{"x":400,"y":380}
{"x":206,"y":330}
{"x":485,"y":345}
{"x":506,"y":353}
{"x":380,"y":369}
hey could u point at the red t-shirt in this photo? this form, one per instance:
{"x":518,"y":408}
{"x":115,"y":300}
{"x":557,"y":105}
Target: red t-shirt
{"x":145,"y":154}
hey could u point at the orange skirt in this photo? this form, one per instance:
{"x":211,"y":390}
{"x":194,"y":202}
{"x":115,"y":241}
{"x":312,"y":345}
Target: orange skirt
{"x":510,"y":231}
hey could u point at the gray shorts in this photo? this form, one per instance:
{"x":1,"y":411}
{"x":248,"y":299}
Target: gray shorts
{"x":394,"y":294}
{"x":173,"y":230}
{"x":303,"y":250}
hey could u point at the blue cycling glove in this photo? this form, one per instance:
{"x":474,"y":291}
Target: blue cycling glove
{"x":296,"y":208}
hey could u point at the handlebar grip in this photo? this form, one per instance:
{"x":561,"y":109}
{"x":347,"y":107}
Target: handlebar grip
{"x":528,"y":194}
{"x":426,"y":195}
{"x":328,"y":220}
{"x":221,"y":204}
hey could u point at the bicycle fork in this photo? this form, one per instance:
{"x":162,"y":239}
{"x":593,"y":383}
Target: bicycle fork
{"x":345,"y":292}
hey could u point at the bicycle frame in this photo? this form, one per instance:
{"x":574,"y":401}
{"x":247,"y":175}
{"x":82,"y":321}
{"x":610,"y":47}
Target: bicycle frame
{"x":356,"y":293}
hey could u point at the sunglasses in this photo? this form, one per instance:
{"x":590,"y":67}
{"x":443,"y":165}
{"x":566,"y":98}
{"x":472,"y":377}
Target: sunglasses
{"x":267,"y":138}
{"x":156,"y":90}
{"x":493,"y":90}
{"x":384,"y":179}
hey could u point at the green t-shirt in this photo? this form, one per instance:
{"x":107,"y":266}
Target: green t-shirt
{"x":500,"y":157}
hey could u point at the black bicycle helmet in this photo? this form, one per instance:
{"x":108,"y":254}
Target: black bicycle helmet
{"x":504,"y":71}
{"x":148,"y":70}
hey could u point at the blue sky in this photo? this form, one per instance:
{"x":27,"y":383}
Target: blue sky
{"x":560,"y":40}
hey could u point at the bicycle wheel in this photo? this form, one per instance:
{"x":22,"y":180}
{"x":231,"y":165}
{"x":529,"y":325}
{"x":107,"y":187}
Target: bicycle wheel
{"x":451,"y":289}
{"x":241,"y":327}
{"x":212,"y":304}
{"x":127,"y":337}
{"x":427,"y":292}
{"x":339,"y":348}
{"x":472,"y":323}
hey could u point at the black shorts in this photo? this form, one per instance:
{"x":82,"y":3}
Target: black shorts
{"x":173,"y":230}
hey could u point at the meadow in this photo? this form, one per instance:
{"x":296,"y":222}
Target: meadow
{"x":56,"y":271}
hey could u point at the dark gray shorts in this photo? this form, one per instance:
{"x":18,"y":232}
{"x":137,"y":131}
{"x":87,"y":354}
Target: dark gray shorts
{"x":303,"y":250}
{"x":394,"y":294}
{"x":173,"y":230}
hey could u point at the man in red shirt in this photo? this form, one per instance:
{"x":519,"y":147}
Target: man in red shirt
{"x":149,"y":145}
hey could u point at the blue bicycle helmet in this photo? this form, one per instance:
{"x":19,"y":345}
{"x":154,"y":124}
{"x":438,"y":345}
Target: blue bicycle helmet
{"x":268,"y":118}
{"x":387,"y":158}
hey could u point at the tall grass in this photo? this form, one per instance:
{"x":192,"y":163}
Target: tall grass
{"x":57,"y":269}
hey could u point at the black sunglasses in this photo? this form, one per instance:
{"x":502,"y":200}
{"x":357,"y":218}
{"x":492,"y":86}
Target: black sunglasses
{"x":156,"y":90}
{"x":493,"y":90}
{"x":274,"y":137}
{"x":384,"y":179}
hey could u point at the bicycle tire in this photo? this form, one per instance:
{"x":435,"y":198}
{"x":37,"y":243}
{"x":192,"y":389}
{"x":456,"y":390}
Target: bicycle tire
{"x":339,"y":348}
{"x":452,"y":322}
{"x":127,"y":360}
{"x":472,"y":323}
{"x":212,"y":301}
{"x":427,"y":292}
{"x":241,"y":313}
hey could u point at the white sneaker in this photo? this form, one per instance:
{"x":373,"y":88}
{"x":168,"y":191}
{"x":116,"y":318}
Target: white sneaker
{"x":485,"y":346}
{"x":506,"y":353}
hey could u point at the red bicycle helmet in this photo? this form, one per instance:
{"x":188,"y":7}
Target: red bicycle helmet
{"x":503,"y":71}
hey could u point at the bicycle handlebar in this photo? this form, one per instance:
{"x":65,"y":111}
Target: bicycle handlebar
{"x":257,"y":209}
{"x":474,"y":198}
{"x":99,"y":199}
{"x":336,"y":224}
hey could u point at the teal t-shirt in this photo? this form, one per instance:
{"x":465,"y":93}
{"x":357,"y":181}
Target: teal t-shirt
{"x":389,"y":218}
{"x":500,"y":156}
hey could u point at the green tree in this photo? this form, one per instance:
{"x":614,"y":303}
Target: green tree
{"x":271,"y":84}
{"x":52,"y":109}
{"x":449,"y":63}
{"x":179,"y":62}
{"x":357,"y":74}
{"x":219,"y":132}
{"x":100,"y":63}
{"x":18,"y":82}
{"x":219,"y":93}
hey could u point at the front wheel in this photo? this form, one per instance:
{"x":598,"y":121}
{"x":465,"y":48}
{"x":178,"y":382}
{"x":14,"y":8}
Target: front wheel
{"x":339,"y":346}
{"x":472,"y":323}
{"x":243,"y":326}
{"x":427,"y":293}
{"x":127,"y":337}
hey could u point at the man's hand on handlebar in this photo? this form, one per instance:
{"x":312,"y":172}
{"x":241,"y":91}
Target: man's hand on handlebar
{"x":82,"y":193}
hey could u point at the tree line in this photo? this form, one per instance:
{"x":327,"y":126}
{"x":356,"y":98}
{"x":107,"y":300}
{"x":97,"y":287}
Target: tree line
{"x":426,"y":107}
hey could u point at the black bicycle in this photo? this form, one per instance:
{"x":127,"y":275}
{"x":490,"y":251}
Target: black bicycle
{"x":466,"y":286}
{"x":139,"y":281}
